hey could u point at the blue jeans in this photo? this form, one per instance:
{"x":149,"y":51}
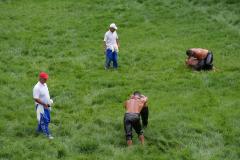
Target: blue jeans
{"x":111,"y":56}
{"x":44,"y":122}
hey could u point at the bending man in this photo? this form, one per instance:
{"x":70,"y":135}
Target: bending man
{"x":199,"y":59}
{"x":133,"y":108}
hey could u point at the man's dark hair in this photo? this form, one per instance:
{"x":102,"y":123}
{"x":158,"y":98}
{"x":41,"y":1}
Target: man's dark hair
{"x":189,"y":52}
{"x":136,"y":93}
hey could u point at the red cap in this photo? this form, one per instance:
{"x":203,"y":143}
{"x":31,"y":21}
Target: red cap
{"x":43,"y":75}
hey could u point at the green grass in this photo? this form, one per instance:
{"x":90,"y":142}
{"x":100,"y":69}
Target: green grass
{"x":193,"y":115}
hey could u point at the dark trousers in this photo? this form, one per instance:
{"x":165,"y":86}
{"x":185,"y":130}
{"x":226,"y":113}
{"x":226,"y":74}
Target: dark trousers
{"x":144,"y":116}
{"x":132,"y":121}
{"x":206,"y":64}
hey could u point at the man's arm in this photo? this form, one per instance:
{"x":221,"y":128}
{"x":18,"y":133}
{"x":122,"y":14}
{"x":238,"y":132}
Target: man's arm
{"x":118,"y":43}
{"x":104,"y":42}
{"x":40,"y":102}
{"x":192,"y":61}
{"x":144,"y":100}
{"x":125,"y":104}
{"x":104,"y":45}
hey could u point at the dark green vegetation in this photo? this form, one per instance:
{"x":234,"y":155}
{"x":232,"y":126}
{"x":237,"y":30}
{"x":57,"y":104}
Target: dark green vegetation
{"x":193,"y":116}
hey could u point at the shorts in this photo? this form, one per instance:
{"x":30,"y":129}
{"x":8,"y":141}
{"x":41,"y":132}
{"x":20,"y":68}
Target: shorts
{"x":132,"y":120}
{"x":206,"y":63}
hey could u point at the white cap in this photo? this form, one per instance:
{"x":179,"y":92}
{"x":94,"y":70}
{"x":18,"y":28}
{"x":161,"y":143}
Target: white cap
{"x":113,"y":25}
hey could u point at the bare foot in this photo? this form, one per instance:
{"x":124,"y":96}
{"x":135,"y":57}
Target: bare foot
{"x":141,"y":138}
{"x":129,"y":143}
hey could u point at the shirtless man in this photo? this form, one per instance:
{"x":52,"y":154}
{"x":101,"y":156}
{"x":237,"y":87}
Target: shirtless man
{"x":199,"y":59}
{"x":133,"y":108}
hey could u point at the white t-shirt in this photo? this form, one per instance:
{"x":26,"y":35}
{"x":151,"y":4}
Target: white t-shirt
{"x":41,"y":92}
{"x":111,"y":40}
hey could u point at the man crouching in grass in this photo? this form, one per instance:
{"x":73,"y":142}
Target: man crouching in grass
{"x":133,"y":108}
{"x":199,"y":59}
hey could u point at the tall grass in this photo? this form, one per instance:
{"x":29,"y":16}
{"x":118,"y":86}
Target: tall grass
{"x":193,"y":115}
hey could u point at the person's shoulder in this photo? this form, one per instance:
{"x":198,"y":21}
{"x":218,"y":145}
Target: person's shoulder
{"x":36,"y":86}
{"x":107,"y":32}
{"x":204,"y":49}
{"x":201,"y":50}
{"x":194,"y":49}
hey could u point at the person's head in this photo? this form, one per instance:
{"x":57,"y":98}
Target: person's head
{"x":112,"y":27}
{"x":43,"y":77}
{"x":189,"y":52}
{"x":137,"y":94}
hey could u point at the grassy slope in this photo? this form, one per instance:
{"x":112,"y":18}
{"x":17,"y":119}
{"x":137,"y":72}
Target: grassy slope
{"x":193,"y":115}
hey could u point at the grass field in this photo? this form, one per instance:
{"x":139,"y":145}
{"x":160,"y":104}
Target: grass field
{"x":193,"y":115}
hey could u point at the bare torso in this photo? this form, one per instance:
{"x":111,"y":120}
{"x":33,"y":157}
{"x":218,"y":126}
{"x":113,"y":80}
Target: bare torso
{"x":199,"y":53}
{"x":134,"y":105}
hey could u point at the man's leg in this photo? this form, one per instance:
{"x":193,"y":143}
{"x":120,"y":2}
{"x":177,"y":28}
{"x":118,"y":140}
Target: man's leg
{"x":45,"y":122}
{"x":144,"y":116}
{"x":208,"y":62}
{"x":39,"y":128}
{"x":209,"y":58}
{"x":128,"y":130}
{"x":43,"y":125}
{"x":115,"y":59}
{"x":138,"y":128}
{"x":129,"y":142}
{"x":141,"y":139}
{"x":108,"y":58}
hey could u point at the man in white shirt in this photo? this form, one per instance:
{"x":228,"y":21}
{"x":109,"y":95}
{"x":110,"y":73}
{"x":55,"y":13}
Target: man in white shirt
{"x":43,"y":104}
{"x":111,"y":46}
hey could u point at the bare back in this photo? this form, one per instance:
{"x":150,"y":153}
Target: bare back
{"x":199,"y":53}
{"x":134,"y":105}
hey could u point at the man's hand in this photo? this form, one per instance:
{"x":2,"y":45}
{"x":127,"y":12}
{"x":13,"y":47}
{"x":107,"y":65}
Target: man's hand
{"x":191,"y":61}
{"x":104,"y":51}
{"x":46,"y":106}
{"x":40,"y":102}
{"x":104,"y":46}
{"x":144,"y":98}
{"x":118,"y":44}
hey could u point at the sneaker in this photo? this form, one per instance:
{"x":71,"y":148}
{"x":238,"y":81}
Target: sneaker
{"x":50,"y":137}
